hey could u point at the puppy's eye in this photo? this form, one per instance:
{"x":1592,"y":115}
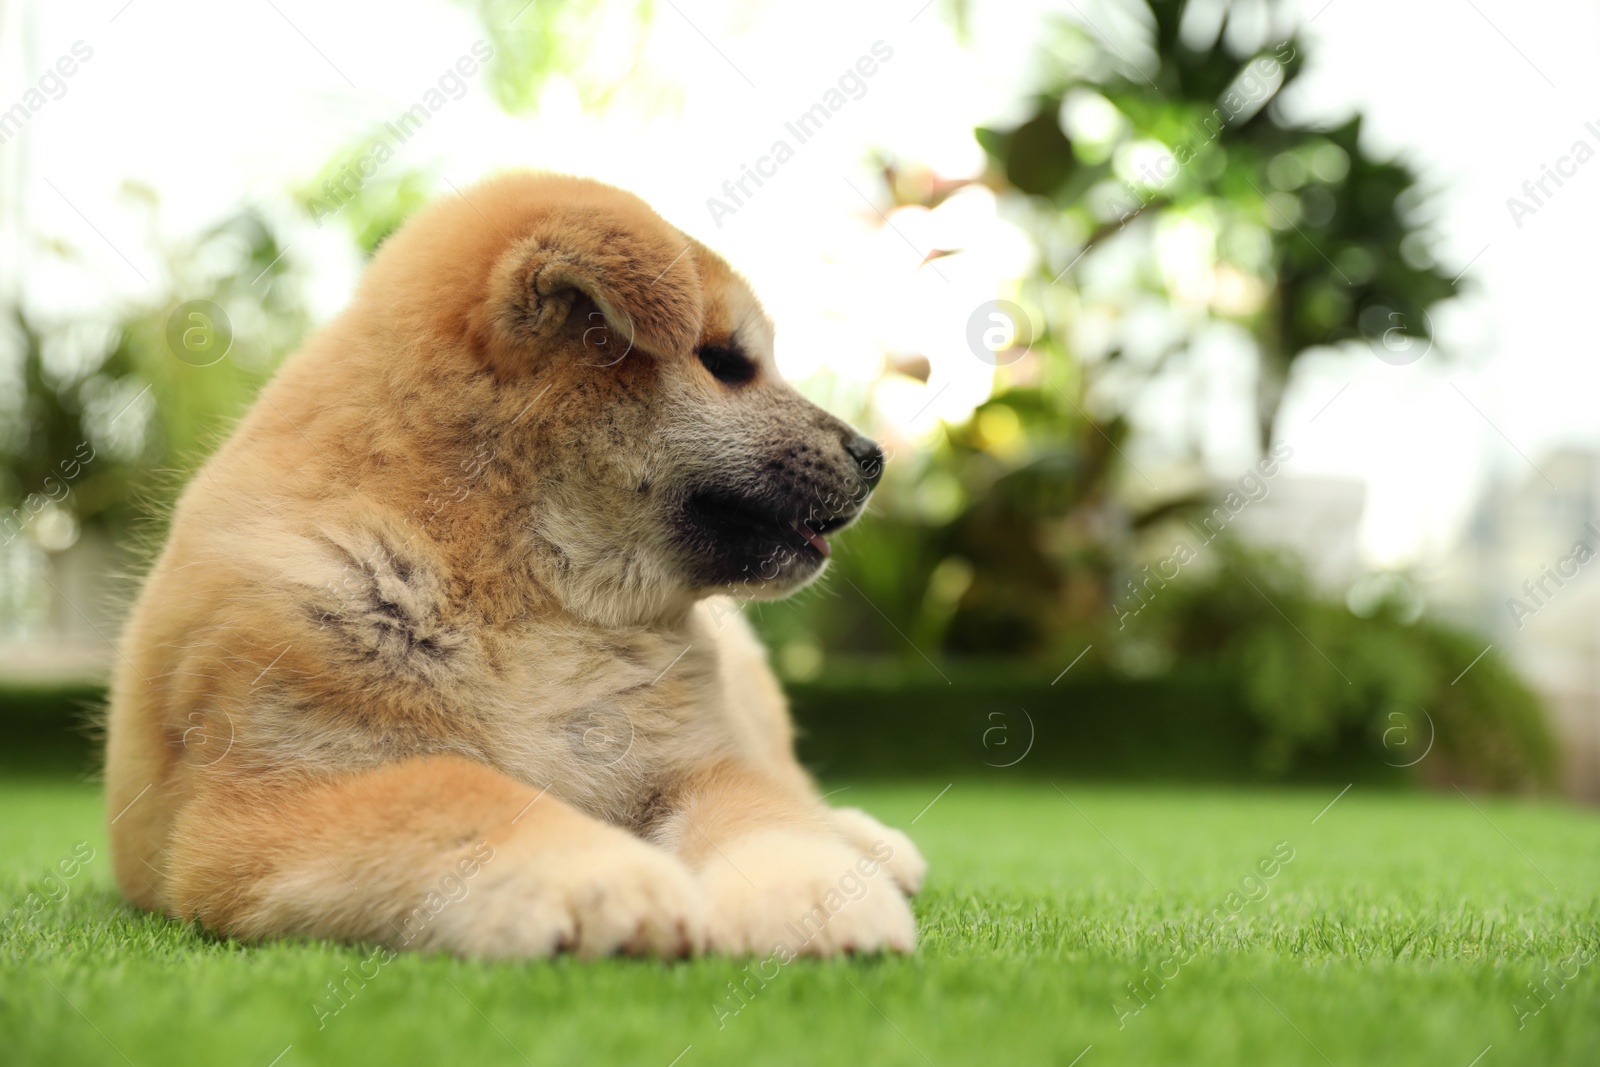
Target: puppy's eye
{"x":726,"y":365}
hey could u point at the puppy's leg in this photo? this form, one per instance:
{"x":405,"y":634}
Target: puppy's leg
{"x":762,"y":714}
{"x":437,"y":853}
{"x":778,"y":872}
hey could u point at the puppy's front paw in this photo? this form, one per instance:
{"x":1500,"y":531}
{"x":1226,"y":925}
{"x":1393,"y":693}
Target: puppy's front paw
{"x":904,"y":863}
{"x":615,"y":895}
{"x":814,"y":895}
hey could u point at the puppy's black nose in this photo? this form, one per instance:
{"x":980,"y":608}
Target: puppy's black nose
{"x":868,"y":457}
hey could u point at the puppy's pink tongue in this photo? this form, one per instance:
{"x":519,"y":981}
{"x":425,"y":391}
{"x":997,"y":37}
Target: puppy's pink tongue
{"x":818,"y":542}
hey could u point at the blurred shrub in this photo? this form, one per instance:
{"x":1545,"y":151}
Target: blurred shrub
{"x":1019,"y":533}
{"x":1236,"y":662}
{"x":999,"y":717}
{"x":1311,"y":669}
{"x":1178,"y":149}
{"x":120,"y":395}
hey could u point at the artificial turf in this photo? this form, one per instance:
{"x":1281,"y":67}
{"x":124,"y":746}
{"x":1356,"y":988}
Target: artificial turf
{"x":1405,"y":929}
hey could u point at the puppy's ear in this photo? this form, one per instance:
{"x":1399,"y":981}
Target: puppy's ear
{"x":642,"y":279}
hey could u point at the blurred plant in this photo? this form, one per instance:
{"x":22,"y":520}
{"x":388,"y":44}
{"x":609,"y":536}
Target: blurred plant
{"x":375,"y":208}
{"x":598,"y":47}
{"x":137,"y":414}
{"x":1169,"y":196}
{"x":1171,"y":169}
{"x":1311,"y":668}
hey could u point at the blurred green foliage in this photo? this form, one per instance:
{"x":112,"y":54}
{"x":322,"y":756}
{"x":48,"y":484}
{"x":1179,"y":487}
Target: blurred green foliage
{"x":1310,"y":669}
{"x":112,"y":392}
{"x":1017,"y":533}
{"x":1314,"y":240}
{"x":570,"y":38}
{"x":368,"y":209}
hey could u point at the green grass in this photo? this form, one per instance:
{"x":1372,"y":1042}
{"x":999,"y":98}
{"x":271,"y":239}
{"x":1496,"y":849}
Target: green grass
{"x":1402,"y":932}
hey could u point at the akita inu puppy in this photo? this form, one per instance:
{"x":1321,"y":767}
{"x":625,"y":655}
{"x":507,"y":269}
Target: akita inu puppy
{"x":443,"y":650}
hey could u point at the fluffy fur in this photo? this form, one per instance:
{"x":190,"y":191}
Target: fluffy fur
{"x":443,"y":649}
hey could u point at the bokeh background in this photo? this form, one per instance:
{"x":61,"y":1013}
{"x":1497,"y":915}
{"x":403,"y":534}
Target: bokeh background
{"x":1235,"y":358}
